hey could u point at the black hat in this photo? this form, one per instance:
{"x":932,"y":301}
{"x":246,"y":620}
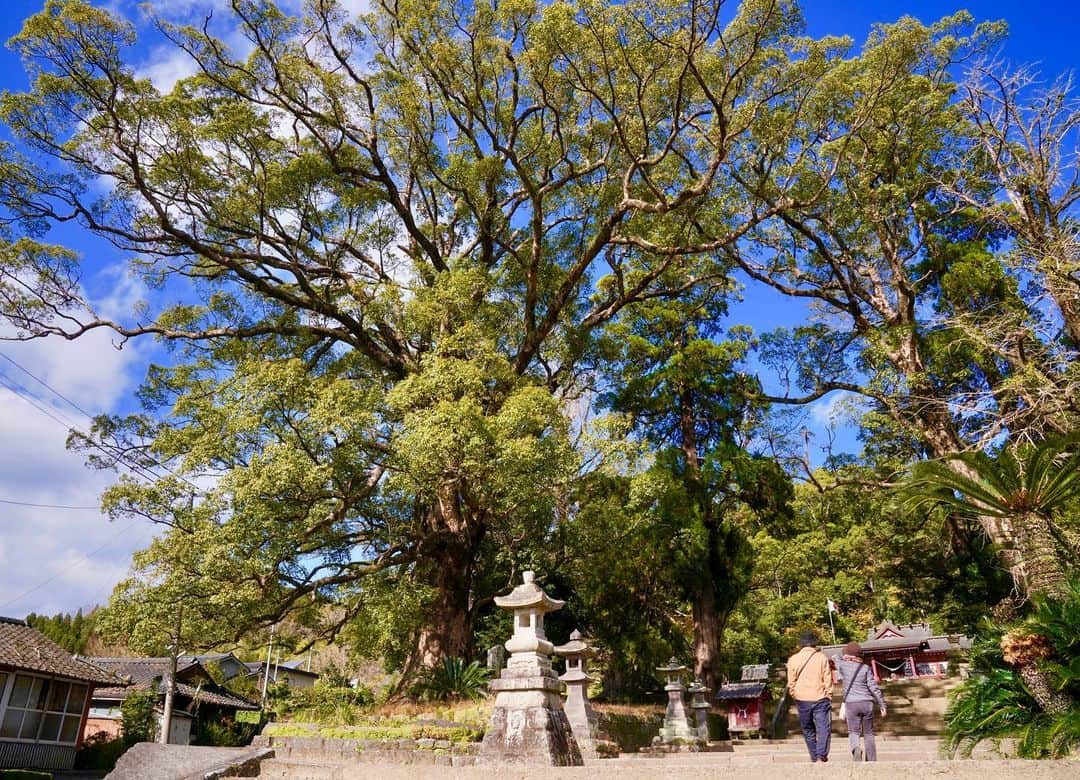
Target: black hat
{"x":808,"y":639}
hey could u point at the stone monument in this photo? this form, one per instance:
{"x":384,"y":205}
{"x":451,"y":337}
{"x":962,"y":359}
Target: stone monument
{"x":699,"y":704}
{"x":528,"y":724}
{"x":592,"y":742}
{"x":676,"y":728}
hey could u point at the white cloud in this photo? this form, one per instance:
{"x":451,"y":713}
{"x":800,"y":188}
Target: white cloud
{"x":56,"y":559}
{"x":165,"y":66}
{"x":827,"y":411}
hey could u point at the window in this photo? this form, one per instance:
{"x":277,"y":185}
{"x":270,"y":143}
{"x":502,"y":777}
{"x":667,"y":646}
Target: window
{"x":42,"y":710}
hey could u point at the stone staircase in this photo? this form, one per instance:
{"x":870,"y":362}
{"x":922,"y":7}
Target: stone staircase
{"x":916,"y":708}
{"x":317,"y":758}
{"x":793,"y":749}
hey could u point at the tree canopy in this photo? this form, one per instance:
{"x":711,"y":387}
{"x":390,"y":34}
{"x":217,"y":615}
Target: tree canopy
{"x":411,"y":256}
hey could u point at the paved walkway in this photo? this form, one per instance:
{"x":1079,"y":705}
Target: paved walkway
{"x":698,"y":767}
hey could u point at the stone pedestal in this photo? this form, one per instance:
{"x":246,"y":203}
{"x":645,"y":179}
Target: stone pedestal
{"x":677,"y":728}
{"x":528,"y":724}
{"x":700,"y":707}
{"x":592,"y":742}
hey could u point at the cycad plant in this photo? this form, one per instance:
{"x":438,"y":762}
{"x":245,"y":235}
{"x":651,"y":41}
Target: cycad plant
{"x":1024,"y":490}
{"x":453,"y":679}
{"x":993,"y":703}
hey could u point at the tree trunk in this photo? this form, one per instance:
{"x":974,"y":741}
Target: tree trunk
{"x":447,"y":630}
{"x":1041,"y":568}
{"x":706,"y":633}
{"x":1038,"y":685}
{"x":447,"y":557}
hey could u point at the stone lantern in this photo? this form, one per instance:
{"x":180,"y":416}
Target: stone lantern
{"x":700,"y":706}
{"x":676,"y":726}
{"x":528,"y":724}
{"x":578,"y":710}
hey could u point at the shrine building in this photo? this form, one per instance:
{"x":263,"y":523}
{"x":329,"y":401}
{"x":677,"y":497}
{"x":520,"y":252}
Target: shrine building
{"x":906,"y":651}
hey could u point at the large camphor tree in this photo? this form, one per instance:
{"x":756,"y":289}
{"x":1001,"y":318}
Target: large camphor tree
{"x":390,"y":242}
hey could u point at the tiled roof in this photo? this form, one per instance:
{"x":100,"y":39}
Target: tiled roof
{"x":206,"y":694}
{"x":148,"y":673}
{"x":22,"y":647}
{"x":739,"y":690}
{"x":257,"y":667}
{"x":140,"y":670}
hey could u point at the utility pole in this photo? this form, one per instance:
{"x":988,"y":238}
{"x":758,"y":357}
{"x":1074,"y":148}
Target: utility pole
{"x":269,"y":655}
{"x":170,"y":681}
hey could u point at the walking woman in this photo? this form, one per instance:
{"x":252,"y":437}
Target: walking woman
{"x":861,"y":693}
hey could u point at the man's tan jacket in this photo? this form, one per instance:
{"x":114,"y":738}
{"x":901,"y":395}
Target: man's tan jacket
{"x":814,"y":682}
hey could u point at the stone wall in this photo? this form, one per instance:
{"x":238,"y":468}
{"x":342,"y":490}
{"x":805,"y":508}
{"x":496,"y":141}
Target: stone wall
{"x":430,"y":752}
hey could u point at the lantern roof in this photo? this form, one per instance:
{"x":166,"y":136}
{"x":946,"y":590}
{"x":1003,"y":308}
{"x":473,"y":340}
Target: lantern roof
{"x":529,"y":594}
{"x":672,"y":667}
{"x":576,"y":646}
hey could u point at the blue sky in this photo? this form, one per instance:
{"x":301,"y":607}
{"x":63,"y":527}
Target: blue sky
{"x":61,"y":559}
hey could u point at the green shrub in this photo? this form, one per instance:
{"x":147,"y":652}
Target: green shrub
{"x":99,"y":753}
{"x":453,"y":679}
{"x":330,"y":700}
{"x":138,"y":717}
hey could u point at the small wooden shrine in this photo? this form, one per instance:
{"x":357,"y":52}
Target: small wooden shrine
{"x":906,"y":651}
{"x":744,"y":701}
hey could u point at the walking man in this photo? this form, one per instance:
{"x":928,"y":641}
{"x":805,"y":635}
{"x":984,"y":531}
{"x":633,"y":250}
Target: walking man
{"x":810,"y":685}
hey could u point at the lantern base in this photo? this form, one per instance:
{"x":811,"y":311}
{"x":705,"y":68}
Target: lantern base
{"x":528,"y":725}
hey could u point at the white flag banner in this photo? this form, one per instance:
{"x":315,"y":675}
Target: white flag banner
{"x":832,"y":605}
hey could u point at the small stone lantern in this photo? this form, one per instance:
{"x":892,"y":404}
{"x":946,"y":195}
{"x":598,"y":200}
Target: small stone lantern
{"x":578,"y":710}
{"x":700,"y":705}
{"x":676,"y":726}
{"x":528,"y":724}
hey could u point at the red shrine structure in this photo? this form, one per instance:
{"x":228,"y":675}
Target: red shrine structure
{"x":906,"y":651}
{"x":744,"y":701}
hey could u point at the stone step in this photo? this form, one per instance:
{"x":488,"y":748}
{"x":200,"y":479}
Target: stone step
{"x":288,"y":769}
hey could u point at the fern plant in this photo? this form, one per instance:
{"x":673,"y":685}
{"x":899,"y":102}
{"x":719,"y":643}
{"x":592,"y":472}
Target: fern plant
{"x":453,"y":679}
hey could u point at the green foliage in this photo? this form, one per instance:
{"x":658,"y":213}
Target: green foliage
{"x":138,"y":718}
{"x":223,"y":731}
{"x":382,"y":728}
{"x":100,"y":753}
{"x":71,"y":632}
{"x":453,"y":679}
{"x":994,"y":704}
{"x":330,"y":700}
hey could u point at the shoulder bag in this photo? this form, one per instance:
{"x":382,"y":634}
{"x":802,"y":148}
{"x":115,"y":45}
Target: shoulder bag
{"x":843,"y":702}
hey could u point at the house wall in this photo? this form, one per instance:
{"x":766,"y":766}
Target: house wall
{"x":296,"y":680}
{"x":36,"y":755}
{"x":41,"y":719}
{"x":179,"y":729}
{"x":112,"y":728}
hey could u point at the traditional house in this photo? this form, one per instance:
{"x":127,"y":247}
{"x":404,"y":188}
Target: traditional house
{"x":196,"y":693}
{"x":912,"y":650}
{"x":44,"y":695}
{"x":290,"y":672}
{"x":228,"y":664}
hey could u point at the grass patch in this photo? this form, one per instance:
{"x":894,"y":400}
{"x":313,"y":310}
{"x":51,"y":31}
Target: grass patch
{"x":383,"y":730}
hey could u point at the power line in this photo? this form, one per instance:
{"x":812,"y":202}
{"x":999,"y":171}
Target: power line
{"x":26,"y":396}
{"x":46,"y":506}
{"x":45,"y":384}
{"x":85,"y":558}
{"x":144,"y":471}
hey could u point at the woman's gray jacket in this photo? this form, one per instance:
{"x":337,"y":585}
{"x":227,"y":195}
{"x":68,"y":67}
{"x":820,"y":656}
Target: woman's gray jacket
{"x":863,"y":686}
